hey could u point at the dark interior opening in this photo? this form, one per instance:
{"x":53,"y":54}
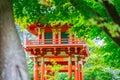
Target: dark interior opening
{"x":48,"y":37}
{"x":64,"y":37}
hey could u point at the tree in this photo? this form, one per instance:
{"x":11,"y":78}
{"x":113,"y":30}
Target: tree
{"x":109,"y":7}
{"x":103,"y":61}
{"x":104,"y":13}
{"x":12,"y":56}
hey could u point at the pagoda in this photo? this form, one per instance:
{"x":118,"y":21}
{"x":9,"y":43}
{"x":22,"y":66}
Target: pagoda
{"x":54,"y":43}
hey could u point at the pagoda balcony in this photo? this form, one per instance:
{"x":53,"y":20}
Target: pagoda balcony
{"x":55,"y":43}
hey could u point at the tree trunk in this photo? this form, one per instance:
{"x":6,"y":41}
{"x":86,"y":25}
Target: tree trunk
{"x":12,"y":56}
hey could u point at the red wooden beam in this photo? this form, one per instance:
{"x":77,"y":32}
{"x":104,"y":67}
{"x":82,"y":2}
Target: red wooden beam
{"x":65,"y":69}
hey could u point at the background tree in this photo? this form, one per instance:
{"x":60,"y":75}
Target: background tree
{"x":103,"y":61}
{"x":105,"y":9}
{"x":103,"y":13}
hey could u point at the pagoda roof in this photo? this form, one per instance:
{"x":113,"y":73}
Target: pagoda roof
{"x":33,"y":28}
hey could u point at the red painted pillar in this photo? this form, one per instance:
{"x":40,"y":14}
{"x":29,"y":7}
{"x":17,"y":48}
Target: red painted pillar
{"x":42,"y":68}
{"x":43,"y":37}
{"x":69,"y":67}
{"x":53,"y":74}
{"x":47,"y":74}
{"x":39,"y":36}
{"x":73,"y":40}
{"x":76,"y":68}
{"x":59,"y":36}
{"x":70,"y":39}
{"x":36,"y":71}
{"x":53,"y":36}
{"x":56,"y":38}
{"x":44,"y":1}
{"x":80,"y":70}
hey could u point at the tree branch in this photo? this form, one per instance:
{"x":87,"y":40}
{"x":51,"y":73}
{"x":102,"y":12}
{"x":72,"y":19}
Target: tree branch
{"x":112,"y":13}
{"x":110,"y":8}
{"x":115,"y":39}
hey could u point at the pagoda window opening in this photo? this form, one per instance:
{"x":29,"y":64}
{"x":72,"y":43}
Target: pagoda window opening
{"x":48,"y":37}
{"x":64,"y":38}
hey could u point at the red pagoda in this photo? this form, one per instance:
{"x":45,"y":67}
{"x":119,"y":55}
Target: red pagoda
{"x":54,"y":43}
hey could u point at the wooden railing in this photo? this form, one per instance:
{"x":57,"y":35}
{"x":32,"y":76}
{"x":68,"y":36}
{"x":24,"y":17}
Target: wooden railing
{"x":55,"y":41}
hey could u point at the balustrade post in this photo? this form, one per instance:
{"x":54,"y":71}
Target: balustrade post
{"x":59,"y":36}
{"x":39,"y":36}
{"x":43,"y":37}
{"x":73,"y":39}
{"x":53,"y":35}
{"x":70,"y":39}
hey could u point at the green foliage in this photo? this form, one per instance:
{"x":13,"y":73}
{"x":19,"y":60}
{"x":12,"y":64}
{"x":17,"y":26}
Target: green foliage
{"x":97,"y":73}
{"x":116,"y":3}
{"x":30,"y":67}
{"x":102,"y":57}
{"x":55,"y":69}
{"x":79,"y":13}
{"x":88,"y":18}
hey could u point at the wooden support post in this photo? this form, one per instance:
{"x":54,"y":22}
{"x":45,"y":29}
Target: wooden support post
{"x":43,"y":37}
{"x":59,"y":36}
{"x":53,"y":74}
{"x":53,"y":36}
{"x":36,"y":71}
{"x":42,"y":68}
{"x":47,"y":75}
{"x":69,"y":67}
{"x":39,"y":36}
{"x":44,"y":1}
{"x":73,"y":39}
{"x":80,"y":70}
{"x":56,"y":38}
{"x":39,"y":39}
{"x":70,"y":39}
{"x":76,"y":68}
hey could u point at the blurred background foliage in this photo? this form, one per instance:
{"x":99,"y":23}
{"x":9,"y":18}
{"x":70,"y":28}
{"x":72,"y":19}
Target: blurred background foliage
{"x":91,"y":20}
